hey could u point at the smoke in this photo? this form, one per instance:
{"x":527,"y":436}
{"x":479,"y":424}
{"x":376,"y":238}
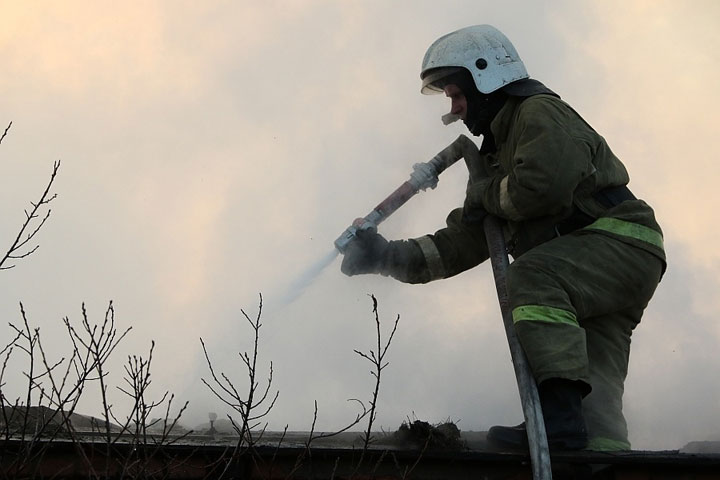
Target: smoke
{"x":200,"y":169}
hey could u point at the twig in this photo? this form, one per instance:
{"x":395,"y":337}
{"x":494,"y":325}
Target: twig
{"x":408,"y":471}
{"x":19,"y":243}
{"x":5,"y":132}
{"x":377,"y":358}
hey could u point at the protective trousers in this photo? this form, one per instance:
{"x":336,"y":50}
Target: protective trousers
{"x":575,"y":301}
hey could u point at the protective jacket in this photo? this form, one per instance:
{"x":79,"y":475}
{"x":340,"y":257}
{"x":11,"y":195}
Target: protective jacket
{"x":547,"y":175}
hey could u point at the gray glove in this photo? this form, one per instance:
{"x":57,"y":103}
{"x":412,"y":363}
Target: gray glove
{"x":365,"y":254}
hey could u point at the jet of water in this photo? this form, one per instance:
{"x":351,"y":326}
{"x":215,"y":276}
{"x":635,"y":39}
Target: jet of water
{"x":297,"y":287}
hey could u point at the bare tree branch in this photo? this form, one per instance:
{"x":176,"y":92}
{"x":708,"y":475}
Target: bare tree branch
{"x":27,"y":230}
{"x":377,"y":358}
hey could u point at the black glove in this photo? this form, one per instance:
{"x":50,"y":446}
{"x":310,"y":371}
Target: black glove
{"x":473,"y":215}
{"x":473,"y":211}
{"x":365,"y":254}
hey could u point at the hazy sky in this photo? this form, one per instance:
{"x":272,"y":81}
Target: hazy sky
{"x":212,"y":151}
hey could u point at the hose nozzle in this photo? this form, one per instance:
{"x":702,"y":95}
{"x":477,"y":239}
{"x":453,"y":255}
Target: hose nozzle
{"x":350,"y":233}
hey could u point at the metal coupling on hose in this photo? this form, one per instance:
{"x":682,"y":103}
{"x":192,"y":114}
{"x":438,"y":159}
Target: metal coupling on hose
{"x":423,"y":176}
{"x":350,"y":234}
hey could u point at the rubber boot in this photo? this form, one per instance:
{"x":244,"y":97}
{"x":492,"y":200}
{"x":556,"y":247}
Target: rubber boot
{"x":561,"y":402}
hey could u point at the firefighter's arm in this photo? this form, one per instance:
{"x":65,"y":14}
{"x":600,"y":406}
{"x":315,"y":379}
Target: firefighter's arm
{"x":447,"y":252}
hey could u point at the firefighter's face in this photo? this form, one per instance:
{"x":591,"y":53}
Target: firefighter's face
{"x":458,"y":102}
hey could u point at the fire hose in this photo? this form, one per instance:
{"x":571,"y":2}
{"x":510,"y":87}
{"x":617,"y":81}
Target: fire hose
{"x":425,"y":175}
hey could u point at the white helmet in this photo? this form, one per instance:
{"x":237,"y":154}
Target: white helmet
{"x":482,"y":50}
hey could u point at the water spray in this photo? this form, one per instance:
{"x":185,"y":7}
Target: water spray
{"x":296,"y":288}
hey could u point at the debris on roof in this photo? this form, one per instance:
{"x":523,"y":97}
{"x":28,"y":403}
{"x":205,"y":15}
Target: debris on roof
{"x":422,"y":434}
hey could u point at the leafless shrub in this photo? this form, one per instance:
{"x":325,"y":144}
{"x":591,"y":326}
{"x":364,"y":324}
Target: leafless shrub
{"x":97,"y":343}
{"x":139,"y":429}
{"x":46,"y":408}
{"x":52,"y":393}
{"x":313,"y":436}
{"x":132,"y":442}
{"x":377,"y":358}
{"x":255,"y":403}
{"x":147,"y":429}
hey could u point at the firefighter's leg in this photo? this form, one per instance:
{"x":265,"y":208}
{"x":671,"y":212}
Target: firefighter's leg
{"x":608,"y":348}
{"x":557,"y":285}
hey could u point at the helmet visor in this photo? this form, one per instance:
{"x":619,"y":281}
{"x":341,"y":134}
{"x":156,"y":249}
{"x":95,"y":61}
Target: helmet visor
{"x":435,"y":79}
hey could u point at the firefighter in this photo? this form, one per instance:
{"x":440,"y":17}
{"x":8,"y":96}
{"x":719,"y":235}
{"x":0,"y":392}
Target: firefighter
{"x":587,"y":255}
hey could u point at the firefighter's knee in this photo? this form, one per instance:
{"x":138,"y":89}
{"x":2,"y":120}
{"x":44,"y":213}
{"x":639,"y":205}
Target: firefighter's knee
{"x":533,"y":282}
